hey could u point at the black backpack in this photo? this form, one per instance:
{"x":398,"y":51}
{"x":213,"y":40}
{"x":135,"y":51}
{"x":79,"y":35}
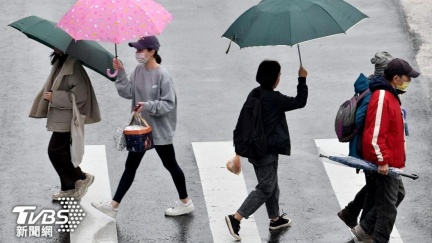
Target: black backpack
{"x":249,"y":137}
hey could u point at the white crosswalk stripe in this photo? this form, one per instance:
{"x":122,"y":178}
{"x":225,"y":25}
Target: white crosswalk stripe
{"x":223,"y":191}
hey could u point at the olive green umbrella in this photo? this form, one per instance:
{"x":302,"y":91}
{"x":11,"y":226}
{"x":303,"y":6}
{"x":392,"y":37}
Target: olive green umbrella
{"x":290,"y":22}
{"x":90,"y":53}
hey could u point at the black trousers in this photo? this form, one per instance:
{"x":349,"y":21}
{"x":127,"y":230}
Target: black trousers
{"x":167,"y":155}
{"x":59,"y":154}
{"x":361,"y":202}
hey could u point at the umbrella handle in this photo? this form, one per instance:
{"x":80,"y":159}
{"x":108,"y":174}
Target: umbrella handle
{"x":111,"y":75}
{"x":412,"y":176}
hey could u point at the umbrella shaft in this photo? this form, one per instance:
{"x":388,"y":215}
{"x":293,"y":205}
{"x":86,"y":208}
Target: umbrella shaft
{"x":298,"y":48}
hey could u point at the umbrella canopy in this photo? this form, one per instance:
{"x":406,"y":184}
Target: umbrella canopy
{"x":365,"y":165}
{"x":90,"y":53}
{"x":289,"y":22}
{"x":114,"y":21}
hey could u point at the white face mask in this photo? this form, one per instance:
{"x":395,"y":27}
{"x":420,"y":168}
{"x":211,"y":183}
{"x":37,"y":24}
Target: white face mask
{"x":141,"y":58}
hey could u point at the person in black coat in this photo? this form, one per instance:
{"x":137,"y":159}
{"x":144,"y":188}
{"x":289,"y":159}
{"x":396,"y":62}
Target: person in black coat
{"x":273,"y":107}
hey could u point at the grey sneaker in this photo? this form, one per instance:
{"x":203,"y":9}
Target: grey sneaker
{"x":180,"y":209}
{"x":61,"y":194}
{"x":81,"y":186}
{"x":361,"y":234}
{"x":106,"y":208}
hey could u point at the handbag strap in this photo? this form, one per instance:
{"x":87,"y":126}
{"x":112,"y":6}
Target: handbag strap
{"x":75,"y":111}
{"x":137,"y":116}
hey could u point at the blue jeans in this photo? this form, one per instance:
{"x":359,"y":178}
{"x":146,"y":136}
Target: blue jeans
{"x":266,"y":192}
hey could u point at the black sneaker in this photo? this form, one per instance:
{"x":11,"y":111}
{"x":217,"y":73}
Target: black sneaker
{"x":233,"y":226}
{"x":349,"y":219}
{"x":280,"y":223}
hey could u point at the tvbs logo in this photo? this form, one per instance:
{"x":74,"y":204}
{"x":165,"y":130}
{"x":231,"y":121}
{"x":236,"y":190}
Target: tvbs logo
{"x":68,"y":218}
{"x":26,"y":215}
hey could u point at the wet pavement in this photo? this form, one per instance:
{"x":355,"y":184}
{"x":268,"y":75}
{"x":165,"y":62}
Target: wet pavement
{"x":211,"y":87}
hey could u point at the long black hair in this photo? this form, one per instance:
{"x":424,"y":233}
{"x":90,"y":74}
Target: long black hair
{"x":156,"y":55}
{"x":61,"y":58}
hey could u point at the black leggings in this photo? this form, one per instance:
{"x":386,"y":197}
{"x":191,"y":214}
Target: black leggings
{"x":167,"y":155}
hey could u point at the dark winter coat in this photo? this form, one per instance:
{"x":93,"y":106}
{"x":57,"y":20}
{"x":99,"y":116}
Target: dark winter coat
{"x":274,"y":106}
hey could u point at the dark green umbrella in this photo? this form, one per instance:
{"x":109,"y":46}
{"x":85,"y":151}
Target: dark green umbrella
{"x":90,"y":53}
{"x":290,"y":22}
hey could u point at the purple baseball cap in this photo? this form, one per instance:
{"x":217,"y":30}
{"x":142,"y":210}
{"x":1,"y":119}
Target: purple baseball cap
{"x":400,"y":67}
{"x":146,"y":42}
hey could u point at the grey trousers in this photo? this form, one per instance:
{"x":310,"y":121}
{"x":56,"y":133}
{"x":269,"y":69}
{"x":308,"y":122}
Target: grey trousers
{"x":266,"y":192}
{"x":390,"y":192}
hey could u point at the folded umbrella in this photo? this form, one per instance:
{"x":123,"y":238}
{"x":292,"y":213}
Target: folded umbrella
{"x":366,"y":165}
{"x":90,"y":53}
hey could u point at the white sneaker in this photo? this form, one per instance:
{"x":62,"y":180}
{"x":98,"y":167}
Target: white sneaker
{"x":180,"y":209}
{"x":61,"y":194}
{"x":106,"y":208}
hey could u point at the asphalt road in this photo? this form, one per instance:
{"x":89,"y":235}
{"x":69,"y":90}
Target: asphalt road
{"x":211,"y":87}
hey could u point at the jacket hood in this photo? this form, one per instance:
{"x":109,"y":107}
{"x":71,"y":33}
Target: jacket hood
{"x":378,"y":82}
{"x":361,"y":84}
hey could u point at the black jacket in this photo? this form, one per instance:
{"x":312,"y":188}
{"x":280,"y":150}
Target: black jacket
{"x":274,"y":106}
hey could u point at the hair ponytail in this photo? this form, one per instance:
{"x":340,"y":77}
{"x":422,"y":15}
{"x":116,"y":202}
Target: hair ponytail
{"x":157,"y":57}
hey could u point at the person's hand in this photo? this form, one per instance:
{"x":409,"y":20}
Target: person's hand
{"x":383,"y":169}
{"x":117,"y":64}
{"x":140,"y":106}
{"x":302,"y":72}
{"x":48,"y":96}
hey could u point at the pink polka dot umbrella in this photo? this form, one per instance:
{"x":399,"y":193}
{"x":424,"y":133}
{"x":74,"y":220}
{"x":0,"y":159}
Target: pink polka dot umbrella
{"x":114,"y":21}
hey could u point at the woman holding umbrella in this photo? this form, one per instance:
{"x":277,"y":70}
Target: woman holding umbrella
{"x":55,"y":103}
{"x":151,"y":88}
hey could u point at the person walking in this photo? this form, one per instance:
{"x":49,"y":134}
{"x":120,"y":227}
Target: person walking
{"x":383,"y":143}
{"x":273,"y":107}
{"x":54,"y":102}
{"x":151,"y":87}
{"x":350,"y":213}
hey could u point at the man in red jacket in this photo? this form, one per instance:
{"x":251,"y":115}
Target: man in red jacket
{"x":384,"y":144}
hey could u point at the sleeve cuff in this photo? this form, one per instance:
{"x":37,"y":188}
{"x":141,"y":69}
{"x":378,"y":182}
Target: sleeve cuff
{"x":302,"y":80}
{"x":121,"y":74}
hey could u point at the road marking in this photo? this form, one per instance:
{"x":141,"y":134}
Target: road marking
{"x":96,"y":226}
{"x":223,"y":191}
{"x":344,"y":180}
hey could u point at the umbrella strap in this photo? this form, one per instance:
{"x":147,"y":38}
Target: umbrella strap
{"x":229,"y":46}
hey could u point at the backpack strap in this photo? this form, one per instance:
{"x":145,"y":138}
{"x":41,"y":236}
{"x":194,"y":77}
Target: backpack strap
{"x":363,"y":94}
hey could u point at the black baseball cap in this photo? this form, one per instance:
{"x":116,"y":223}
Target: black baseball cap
{"x":399,"y":67}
